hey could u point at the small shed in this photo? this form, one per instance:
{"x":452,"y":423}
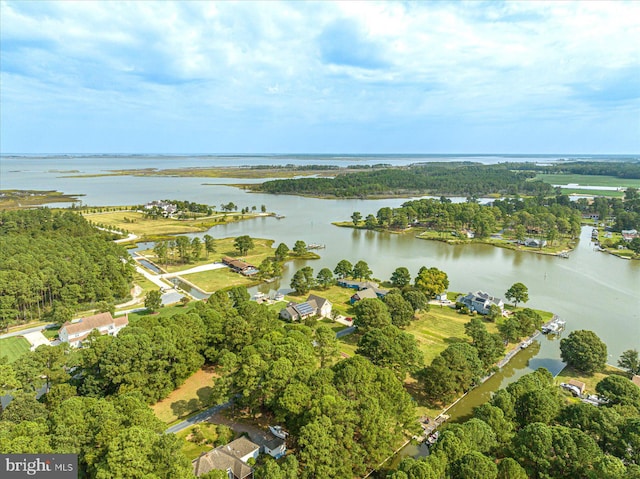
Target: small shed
{"x":579,"y":384}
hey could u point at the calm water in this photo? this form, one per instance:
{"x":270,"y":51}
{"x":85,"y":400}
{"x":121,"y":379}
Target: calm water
{"x":589,"y":290}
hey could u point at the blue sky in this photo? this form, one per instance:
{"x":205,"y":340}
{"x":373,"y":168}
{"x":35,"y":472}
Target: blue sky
{"x":320,"y":77}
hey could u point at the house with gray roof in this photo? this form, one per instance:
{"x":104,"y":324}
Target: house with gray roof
{"x":480,"y":302}
{"x":231,"y":458}
{"x":313,"y":306}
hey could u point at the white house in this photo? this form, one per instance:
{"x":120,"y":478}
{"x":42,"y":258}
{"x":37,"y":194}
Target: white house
{"x":313,"y":306}
{"x":480,"y":302}
{"x":74,"y":332}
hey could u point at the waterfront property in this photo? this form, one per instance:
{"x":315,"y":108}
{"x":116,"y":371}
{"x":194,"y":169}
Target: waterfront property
{"x":480,"y":302}
{"x":231,"y":458}
{"x":240,"y":266}
{"x":535,"y":243}
{"x":313,"y":306}
{"x":76,"y":331}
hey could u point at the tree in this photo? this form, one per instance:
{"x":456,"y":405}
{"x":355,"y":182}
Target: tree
{"x":209,"y":244}
{"x":431,"y":281}
{"x":400,"y":309}
{"x":325,"y":277}
{"x":243,"y":244}
{"x":361,"y":270}
{"x":196,"y":248}
{"x":281,"y":252}
{"x":161,"y":251}
{"x":417,"y":299}
{"x":356,"y":217}
{"x":619,"y":390}
{"x":370,"y":314}
{"x":343,"y":269}
{"x":326,"y":344}
{"x":391,"y":348}
{"x":153,"y":300}
{"x":183,"y":246}
{"x":300,"y":248}
{"x":370,"y":222}
{"x":474,"y":465}
{"x":629,"y":361}
{"x":401,"y":277}
{"x":302,"y":280}
{"x":584,"y":351}
{"x":518,"y":293}
{"x":510,"y":469}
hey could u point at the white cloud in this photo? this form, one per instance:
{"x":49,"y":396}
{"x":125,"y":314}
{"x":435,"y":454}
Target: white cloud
{"x":316,"y":63}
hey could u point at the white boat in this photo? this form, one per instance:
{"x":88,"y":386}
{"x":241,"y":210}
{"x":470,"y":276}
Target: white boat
{"x":278,"y":432}
{"x":433,"y":438}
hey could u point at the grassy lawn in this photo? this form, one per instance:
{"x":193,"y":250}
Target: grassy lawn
{"x":579,"y":191}
{"x":440,"y":327}
{"x":588,"y":180}
{"x":141,"y":225}
{"x":569,"y":373}
{"x":212,"y":281}
{"x":14,"y":347}
{"x":212,"y":435}
{"x":163,"y":312}
{"x":192,"y":396}
{"x":51,"y":333}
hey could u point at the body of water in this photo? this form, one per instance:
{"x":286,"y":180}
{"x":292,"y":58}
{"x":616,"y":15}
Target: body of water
{"x":589,"y":290}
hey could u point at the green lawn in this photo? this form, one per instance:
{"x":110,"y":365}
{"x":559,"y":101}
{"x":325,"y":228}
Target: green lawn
{"x":338,"y":296}
{"x":163,"y":312}
{"x":569,"y":373}
{"x":440,"y":327}
{"x":212,"y":281}
{"x":192,"y":396}
{"x":588,"y":180}
{"x":14,"y":347}
{"x":578,"y":191}
{"x":212,"y":435}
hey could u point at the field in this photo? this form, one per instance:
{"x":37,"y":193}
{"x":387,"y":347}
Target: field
{"x":192,"y":396}
{"x":581,"y":192}
{"x":163,"y":312}
{"x":141,"y":225}
{"x":440,"y":327}
{"x":588,"y":180}
{"x":13,"y":347}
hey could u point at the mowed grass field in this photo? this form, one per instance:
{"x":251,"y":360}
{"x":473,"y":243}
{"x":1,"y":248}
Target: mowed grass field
{"x":438,"y":328}
{"x":13,"y":347}
{"x":141,"y":225}
{"x":569,"y":373}
{"x":588,"y":180}
{"x":192,"y":396}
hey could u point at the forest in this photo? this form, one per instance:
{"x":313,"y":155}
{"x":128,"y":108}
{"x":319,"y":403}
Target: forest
{"x":52,"y":264}
{"x":530,"y":430}
{"x":459,"y":179}
{"x":620,"y":169}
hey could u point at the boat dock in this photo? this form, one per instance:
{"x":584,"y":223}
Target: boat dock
{"x":315,"y":246}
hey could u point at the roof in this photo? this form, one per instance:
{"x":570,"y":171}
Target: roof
{"x":94,"y":322}
{"x":236,"y":263}
{"x":579,"y":384}
{"x":219,"y":459}
{"x":319,"y":300}
{"x":366,"y":293}
{"x":240,"y":447}
{"x":636,"y":380}
{"x":272,"y":441}
{"x":304,"y":309}
{"x":482,"y":297}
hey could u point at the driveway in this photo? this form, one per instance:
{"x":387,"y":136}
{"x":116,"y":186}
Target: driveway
{"x":200,"y":417}
{"x":195,"y":269}
{"x":36,"y":338}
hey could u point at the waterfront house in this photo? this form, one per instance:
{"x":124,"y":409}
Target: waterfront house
{"x":357,"y":285}
{"x":480,"y":302}
{"x":535,"y":243}
{"x":76,"y":331}
{"x":313,"y":306}
{"x":240,"y":266}
{"x":368,"y":293}
{"x":628,"y":235}
{"x":231,"y":458}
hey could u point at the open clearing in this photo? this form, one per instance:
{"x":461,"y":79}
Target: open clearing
{"x":192,"y":396}
{"x":588,"y":180}
{"x":13,"y":347}
{"x":142,"y":225}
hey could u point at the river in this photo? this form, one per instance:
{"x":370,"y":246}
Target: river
{"x":589,"y":290}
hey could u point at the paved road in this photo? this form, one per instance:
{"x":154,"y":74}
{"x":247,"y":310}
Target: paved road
{"x":195,"y":269}
{"x":25,"y":331}
{"x":200,"y":417}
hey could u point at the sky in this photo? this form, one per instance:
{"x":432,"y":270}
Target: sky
{"x":320,"y":77}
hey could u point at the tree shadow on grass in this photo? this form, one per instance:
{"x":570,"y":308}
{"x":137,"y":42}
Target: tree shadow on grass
{"x":182,"y":407}
{"x":204,"y":395}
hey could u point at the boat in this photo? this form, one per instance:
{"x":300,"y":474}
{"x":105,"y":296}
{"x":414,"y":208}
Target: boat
{"x":278,"y":432}
{"x":279,"y":217}
{"x":563,"y":254}
{"x":553,"y":327}
{"x":315,"y":246}
{"x":278,"y":297}
{"x":433,"y":438}
{"x":526,"y":344}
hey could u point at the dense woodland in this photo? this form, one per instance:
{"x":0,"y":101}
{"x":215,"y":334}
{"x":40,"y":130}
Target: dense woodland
{"x":541,"y":217}
{"x":461,"y":179}
{"x":54,"y":263}
{"x":528,"y":430}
